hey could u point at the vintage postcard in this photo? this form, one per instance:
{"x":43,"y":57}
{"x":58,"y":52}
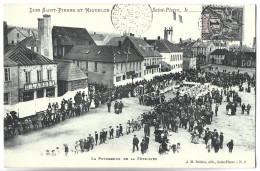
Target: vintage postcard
{"x":129,"y":85}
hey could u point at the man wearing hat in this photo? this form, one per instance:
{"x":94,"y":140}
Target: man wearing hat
{"x":96,"y":137}
{"x":230,"y":146}
{"x":135,"y":143}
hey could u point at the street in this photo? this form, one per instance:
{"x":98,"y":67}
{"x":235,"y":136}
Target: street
{"x":240,"y":128}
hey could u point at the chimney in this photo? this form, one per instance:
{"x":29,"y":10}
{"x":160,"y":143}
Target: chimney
{"x":5,"y":34}
{"x":159,"y":38}
{"x":94,"y":32}
{"x":119,"y":43}
{"x":45,"y":36}
{"x":144,"y":38}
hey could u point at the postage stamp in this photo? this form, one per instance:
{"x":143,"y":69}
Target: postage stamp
{"x":222,"y":23}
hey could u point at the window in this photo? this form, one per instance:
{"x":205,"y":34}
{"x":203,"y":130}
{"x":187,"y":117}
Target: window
{"x":116,"y":67}
{"x":133,"y":65}
{"x":59,"y":51}
{"x":12,"y":42}
{"x":7,"y":74}
{"x":39,"y":76}
{"x":17,"y":35}
{"x":78,"y":63}
{"x":32,"y":49}
{"x":6,"y":98}
{"x":49,"y":73}
{"x":130,"y":65}
{"x":55,"y":50}
{"x":40,"y":93}
{"x":118,"y":78}
{"x":174,"y":15}
{"x":86,"y":65}
{"x":121,"y":67}
{"x":180,"y":18}
{"x":95,"y":67}
{"x":28,"y":77}
{"x":27,"y":96}
{"x":140,"y":65}
{"x":50,"y":92}
{"x":63,"y":50}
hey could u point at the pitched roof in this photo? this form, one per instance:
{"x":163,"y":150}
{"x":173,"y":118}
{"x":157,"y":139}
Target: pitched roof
{"x":219,"y":52}
{"x":8,"y":62}
{"x":186,"y":48}
{"x":9,"y":29}
{"x":68,"y":71}
{"x":164,"y":46}
{"x":98,"y":37}
{"x":114,"y":40}
{"x":142,"y":47}
{"x":24,"y":56}
{"x":105,"y":53}
{"x":71,"y":35}
{"x":29,"y":41}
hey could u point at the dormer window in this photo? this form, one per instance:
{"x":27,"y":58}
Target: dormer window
{"x":125,"y":53}
{"x":118,"y":52}
{"x":87,"y":51}
{"x":99,"y":52}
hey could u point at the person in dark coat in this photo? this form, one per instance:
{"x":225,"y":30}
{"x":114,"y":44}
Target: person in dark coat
{"x":96,"y":137}
{"x":100,"y":137}
{"x":146,"y":139}
{"x":135,"y":143}
{"x":230,"y":146}
{"x":120,"y":106}
{"x":243,"y":107}
{"x":221,"y":139}
{"x":143,"y":146}
{"x":108,"y":106}
{"x":120,"y":129}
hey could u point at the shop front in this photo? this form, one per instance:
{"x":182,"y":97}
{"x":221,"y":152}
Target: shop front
{"x":33,"y":91}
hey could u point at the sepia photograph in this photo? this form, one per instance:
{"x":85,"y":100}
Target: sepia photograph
{"x":129,"y":85}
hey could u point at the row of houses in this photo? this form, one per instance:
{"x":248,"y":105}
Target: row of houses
{"x":60,"y":59}
{"x":233,"y":58}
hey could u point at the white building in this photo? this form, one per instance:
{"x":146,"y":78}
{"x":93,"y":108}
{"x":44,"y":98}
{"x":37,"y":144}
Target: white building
{"x":171,"y":54}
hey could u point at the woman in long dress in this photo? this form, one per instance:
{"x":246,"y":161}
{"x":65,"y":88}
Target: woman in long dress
{"x":92,"y":104}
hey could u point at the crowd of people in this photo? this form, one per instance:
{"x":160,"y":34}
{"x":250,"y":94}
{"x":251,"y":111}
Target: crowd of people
{"x":99,"y":138}
{"x":182,"y":111}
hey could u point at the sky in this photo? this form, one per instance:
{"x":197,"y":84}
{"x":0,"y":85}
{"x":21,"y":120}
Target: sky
{"x":21,"y":15}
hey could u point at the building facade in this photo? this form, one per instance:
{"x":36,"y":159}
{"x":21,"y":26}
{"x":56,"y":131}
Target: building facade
{"x":11,"y":87}
{"x":70,"y":77}
{"x":202,"y":50}
{"x":171,"y":54}
{"x":110,"y":65}
{"x":17,"y":34}
{"x":189,"y":61}
{"x":152,"y":59}
{"x":240,"y":59}
{"x":64,"y":38}
{"x":37,"y":75}
{"x":218,"y":56}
